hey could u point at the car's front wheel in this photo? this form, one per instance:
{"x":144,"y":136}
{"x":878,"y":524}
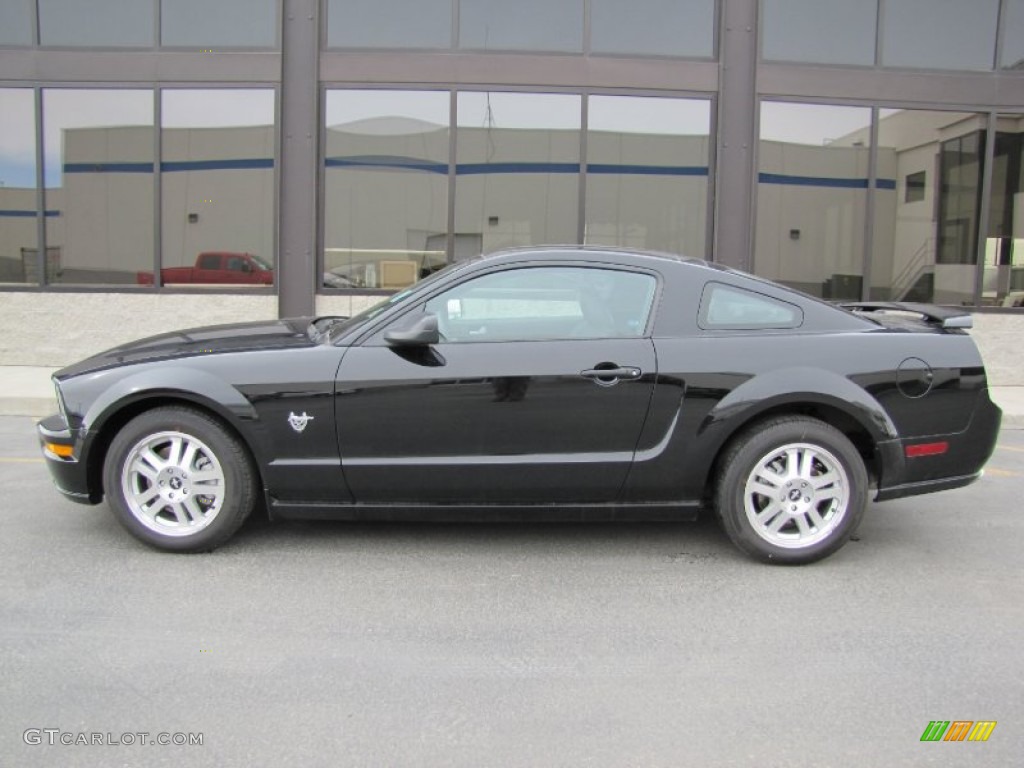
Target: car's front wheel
{"x":178,"y":480}
{"x":791,"y":490}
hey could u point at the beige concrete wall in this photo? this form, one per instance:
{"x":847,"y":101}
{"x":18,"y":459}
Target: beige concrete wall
{"x":55,"y":329}
{"x":998,"y":336}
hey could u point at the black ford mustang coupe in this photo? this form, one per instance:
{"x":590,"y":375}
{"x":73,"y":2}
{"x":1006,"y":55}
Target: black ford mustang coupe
{"x":548,"y":382}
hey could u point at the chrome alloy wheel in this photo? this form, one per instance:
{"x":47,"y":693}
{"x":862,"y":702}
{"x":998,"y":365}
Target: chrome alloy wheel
{"x":173,"y":483}
{"x":796,"y":495}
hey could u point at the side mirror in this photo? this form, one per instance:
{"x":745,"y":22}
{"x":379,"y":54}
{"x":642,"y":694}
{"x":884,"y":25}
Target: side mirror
{"x":423,"y":333}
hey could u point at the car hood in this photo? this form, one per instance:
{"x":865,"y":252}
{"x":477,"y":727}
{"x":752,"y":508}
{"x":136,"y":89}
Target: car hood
{"x":210,"y":340}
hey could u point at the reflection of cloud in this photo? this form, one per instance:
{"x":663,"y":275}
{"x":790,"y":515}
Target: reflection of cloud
{"x":388,"y":126}
{"x":17,"y":133}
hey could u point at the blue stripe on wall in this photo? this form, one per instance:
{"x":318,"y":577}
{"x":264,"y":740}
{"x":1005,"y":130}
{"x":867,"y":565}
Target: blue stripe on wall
{"x":387,"y":162}
{"x":243,"y":164}
{"x":24,"y":214}
{"x":108,"y":167}
{"x":822,"y":181}
{"x":172,"y":166}
{"x":474,"y":169}
{"x":395,"y":162}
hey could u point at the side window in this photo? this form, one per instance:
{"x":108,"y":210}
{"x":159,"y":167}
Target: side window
{"x":209,"y":261}
{"x":726,"y":307}
{"x":543,"y":303}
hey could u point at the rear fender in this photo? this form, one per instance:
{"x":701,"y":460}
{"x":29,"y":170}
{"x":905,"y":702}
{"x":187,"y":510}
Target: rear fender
{"x":799,"y":386}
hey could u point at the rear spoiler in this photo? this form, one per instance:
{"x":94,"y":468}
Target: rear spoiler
{"x":944,"y":317}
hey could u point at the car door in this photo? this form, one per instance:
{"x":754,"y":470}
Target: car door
{"x":536,"y":391}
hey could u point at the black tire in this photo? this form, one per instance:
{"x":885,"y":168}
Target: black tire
{"x":178,"y":480}
{"x":769,"y":478}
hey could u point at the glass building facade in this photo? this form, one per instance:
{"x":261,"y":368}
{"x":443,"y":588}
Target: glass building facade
{"x":855,"y":149}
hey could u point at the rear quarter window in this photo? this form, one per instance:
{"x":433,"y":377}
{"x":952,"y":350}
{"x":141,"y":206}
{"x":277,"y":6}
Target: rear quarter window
{"x":726,"y":307}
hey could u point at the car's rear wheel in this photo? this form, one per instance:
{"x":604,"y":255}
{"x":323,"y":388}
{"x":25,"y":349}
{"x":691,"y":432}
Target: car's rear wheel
{"x":791,"y":490}
{"x":178,"y":480}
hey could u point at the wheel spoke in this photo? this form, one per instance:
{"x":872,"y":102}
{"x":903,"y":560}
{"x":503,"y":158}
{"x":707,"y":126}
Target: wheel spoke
{"x":806,"y":462}
{"x":189,"y":456}
{"x":820,"y":481}
{"x":179,"y":513}
{"x":193,"y":509}
{"x":770,"y":511}
{"x":816,"y":519}
{"x":174,"y":452}
{"x":792,"y":462}
{"x":206,"y":476}
{"x":769,"y":478}
{"x":144,"y":497}
{"x":778,"y":522}
{"x":801,"y":524}
{"x":149,"y":458}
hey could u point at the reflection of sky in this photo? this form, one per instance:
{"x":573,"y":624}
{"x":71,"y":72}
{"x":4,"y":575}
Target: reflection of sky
{"x":17,"y":138}
{"x":813,"y":124}
{"x":622,"y":114}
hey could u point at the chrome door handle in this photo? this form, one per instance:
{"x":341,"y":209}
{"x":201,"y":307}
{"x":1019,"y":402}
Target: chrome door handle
{"x":609,"y":376}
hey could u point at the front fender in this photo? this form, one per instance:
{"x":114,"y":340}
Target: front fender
{"x":191,"y":383}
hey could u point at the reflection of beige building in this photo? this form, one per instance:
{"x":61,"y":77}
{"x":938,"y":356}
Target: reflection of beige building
{"x":386,"y":202}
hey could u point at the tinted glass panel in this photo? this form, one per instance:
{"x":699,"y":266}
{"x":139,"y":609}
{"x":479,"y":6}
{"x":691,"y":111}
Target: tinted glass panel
{"x":217,"y":186}
{"x":114,"y":23}
{"x":211,"y":23}
{"x":546,"y":303}
{"x":811,"y":197}
{"x":724,"y":307}
{"x":647,"y":173}
{"x":955,"y":34}
{"x":16,"y":22}
{"x":389,"y":23}
{"x":654,"y":27}
{"x":827,"y":31}
{"x":1004,"y":244}
{"x":926,"y":235}
{"x":525,"y":25}
{"x":518,"y":170}
{"x":1013,"y":35}
{"x":98,"y":163}
{"x":386,"y":187}
{"x":18,"y":217}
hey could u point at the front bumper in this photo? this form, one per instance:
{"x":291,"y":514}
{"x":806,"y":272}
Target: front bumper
{"x":62,"y":452}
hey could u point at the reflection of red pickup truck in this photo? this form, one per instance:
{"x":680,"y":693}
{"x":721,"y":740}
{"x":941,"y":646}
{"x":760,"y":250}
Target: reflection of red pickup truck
{"x":216,"y":267}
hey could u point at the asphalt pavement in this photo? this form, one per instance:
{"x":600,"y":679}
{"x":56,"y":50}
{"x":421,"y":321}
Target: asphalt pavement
{"x":634,"y":644}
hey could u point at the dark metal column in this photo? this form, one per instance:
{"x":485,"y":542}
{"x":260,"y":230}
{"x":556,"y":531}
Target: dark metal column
{"x":736,"y":180}
{"x":299,"y":116}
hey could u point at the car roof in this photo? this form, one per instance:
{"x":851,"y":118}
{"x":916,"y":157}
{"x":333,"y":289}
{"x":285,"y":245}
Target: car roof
{"x":597,"y":253}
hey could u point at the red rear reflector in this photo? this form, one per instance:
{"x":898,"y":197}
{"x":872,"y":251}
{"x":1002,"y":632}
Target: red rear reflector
{"x":926,"y":449}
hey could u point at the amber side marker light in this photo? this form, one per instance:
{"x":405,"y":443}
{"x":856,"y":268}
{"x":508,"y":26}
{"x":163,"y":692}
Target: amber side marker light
{"x":926,"y":449}
{"x":64,"y":451}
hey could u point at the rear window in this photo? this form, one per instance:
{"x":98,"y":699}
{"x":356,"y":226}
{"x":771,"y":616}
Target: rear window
{"x":725,"y":307}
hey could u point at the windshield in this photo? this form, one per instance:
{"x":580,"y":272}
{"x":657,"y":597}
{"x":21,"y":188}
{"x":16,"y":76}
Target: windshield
{"x":261,"y":263}
{"x":366,"y":315}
